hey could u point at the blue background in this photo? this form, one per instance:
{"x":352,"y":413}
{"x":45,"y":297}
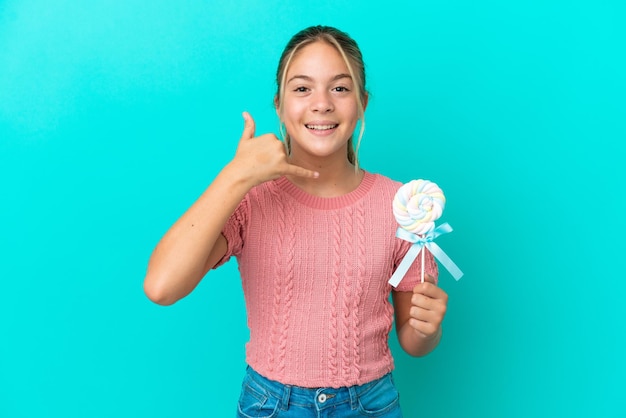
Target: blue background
{"x":114,"y":117}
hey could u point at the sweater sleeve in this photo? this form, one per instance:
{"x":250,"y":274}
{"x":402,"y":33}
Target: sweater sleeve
{"x":414,"y":275}
{"x":234,"y":231}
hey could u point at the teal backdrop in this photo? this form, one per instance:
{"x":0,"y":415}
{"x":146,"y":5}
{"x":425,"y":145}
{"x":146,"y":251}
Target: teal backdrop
{"x":114,"y":117}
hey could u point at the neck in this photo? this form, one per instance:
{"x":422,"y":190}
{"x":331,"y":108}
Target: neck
{"x":336,"y":178}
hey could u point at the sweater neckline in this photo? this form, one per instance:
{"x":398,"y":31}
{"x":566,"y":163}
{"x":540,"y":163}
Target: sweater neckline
{"x":325,"y":203}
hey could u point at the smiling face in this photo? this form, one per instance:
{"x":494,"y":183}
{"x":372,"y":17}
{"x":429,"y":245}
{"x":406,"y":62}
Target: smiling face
{"x":320,"y":106}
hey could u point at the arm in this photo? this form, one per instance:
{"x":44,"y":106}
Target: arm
{"x":419,"y":315}
{"x":194,"y":244}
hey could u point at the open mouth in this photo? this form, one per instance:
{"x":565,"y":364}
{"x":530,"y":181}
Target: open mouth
{"x":322,"y":127}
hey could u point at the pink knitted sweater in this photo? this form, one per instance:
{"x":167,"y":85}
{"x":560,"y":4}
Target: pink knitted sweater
{"x":314,"y":273}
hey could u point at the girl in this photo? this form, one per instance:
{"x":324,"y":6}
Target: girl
{"x":313,"y":235}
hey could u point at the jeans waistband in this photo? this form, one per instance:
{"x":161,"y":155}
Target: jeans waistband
{"x":301,"y":396}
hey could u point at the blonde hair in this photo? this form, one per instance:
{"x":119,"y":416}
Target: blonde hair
{"x":353,"y":58}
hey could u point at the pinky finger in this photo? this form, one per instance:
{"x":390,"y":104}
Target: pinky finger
{"x":301,"y":172}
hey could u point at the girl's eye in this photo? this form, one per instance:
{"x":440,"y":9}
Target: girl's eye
{"x":300,"y":89}
{"x":341,"y":89}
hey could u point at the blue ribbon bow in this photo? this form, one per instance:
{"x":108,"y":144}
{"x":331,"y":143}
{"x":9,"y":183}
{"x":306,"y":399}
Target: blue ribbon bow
{"x":420,"y":242}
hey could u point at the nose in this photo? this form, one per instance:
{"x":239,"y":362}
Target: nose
{"x":321,"y":102}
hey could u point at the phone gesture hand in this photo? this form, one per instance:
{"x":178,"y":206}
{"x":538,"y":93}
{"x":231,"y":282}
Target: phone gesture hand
{"x":263,"y":158}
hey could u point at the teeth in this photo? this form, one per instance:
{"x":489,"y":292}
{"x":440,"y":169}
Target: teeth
{"x":321,"y":127}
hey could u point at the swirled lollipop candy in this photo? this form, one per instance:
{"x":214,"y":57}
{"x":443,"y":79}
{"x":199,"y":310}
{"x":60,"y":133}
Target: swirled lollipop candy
{"x":417,"y":205}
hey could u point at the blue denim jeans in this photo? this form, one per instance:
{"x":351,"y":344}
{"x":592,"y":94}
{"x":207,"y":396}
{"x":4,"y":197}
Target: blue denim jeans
{"x":262,"y":397}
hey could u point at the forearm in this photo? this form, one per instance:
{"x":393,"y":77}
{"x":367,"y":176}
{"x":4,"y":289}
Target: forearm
{"x":181,"y":258}
{"x":188,"y":250}
{"x":415,"y":343}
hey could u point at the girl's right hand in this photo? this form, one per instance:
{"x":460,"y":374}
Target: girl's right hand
{"x":263,"y":158}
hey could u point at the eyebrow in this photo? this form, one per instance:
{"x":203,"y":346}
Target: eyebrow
{"x":307,"y":78}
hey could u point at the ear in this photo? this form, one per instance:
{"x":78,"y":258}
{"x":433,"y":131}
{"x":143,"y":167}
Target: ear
{"x":365,"y":101}
{"x":276,"y":105}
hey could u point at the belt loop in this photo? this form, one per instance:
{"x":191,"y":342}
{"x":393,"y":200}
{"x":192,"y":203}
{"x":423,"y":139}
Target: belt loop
{"x":286,"y":396}
{"x":354,"y":397}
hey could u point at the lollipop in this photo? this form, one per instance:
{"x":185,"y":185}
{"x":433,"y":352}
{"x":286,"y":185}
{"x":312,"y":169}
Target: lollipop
{"x":416,"y":206}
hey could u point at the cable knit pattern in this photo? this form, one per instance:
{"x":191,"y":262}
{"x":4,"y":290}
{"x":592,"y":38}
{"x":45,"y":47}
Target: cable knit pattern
{"x":314,"y":273}
{"x":361,"y":263}
{"x":278,"y":285}
{"x":334,"y":290}
{"x":346,"y":305}
{"x":289,"y":249}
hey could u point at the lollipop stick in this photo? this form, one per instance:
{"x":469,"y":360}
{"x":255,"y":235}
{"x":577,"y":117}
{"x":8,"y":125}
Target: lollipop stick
{"x":422,"y":264}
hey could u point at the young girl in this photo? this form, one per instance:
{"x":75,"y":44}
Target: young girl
{"x":314,"y":237}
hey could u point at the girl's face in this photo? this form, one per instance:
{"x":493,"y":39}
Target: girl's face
{"x":320,"y":109}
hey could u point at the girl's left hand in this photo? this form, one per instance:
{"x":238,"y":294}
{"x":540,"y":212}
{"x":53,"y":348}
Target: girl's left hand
{"x":428,"y":308}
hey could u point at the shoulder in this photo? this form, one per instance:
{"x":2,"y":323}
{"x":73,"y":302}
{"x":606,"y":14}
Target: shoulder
{"x":264,"y":193}
{"x":264,"y":201}
{"x":383,"y":183}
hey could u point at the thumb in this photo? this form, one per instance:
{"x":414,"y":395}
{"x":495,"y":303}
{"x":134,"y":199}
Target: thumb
{"x":430,"y":279}
{"x":248,"y":126}
{"x":419,"y":288}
